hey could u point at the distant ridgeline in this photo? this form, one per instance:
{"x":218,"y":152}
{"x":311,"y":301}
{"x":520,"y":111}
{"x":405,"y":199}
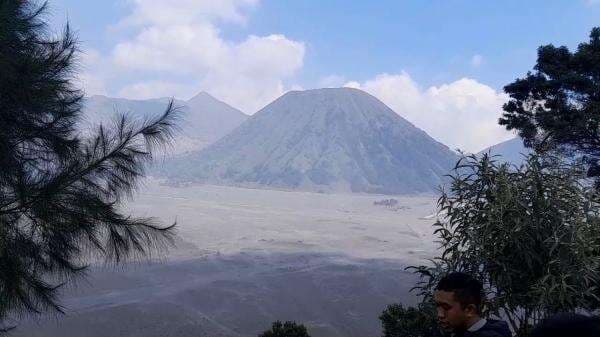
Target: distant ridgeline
{"x":511,"y":151}
{"x":325,"y":140}
{"x":514,"y":152}
{"x":204,"y":118}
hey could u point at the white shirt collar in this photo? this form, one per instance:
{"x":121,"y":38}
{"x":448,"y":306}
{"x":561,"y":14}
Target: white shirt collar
{"x":477,"y":325}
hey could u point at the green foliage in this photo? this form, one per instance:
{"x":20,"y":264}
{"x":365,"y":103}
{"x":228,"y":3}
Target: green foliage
{"x":558,"y":105}
{"x":60,"y":194}
{"x":287,"y":329}
{"x":530,"y":234}
{"x":398,"y":321}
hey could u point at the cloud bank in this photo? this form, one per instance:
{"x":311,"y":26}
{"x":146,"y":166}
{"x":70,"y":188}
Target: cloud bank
{"x":462,"y":114}
{"x":164,"y":50}
{"x":184,"y":48}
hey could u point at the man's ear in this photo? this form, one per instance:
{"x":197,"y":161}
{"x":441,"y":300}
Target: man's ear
{"x":471,"y":310}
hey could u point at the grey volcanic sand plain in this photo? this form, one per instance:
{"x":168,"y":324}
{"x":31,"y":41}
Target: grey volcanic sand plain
{"x":245,"y":258}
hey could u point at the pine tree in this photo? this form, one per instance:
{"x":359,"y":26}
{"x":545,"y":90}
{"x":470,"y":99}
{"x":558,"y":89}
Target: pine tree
{"x":558,"y":105}
{"x":60,"y":193}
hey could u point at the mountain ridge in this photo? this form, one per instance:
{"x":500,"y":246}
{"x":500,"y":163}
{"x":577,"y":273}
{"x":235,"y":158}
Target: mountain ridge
{"x":511,"y":151}
{"x":204,"y":120}
{"x":333,"y":139}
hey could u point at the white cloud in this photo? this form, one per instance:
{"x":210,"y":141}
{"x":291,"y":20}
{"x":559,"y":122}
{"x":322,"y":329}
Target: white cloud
{"x":476,"y":60}
{"x":181,"y":49}
{"x":88,"y":77}
{"x":332,"y":81}
{"x":157,"y":89}
{"x":185,"y":12}
{"x":352,"y":84}
{"x":462,"y":114}
{"x":175,"y":49}
{"x":184,"y":41}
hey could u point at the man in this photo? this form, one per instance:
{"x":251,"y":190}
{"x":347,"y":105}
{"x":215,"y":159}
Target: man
{"x":458,"y":299}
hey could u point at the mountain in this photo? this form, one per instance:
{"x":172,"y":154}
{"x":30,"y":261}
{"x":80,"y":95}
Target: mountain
{"x":510,"y":151}
{"x":210,"y":117}
{"x":204,"y":118}
{"x":339,"y":139}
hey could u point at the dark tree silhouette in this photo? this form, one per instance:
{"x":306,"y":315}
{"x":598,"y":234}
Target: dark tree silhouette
{"x":420,"y":321}
{"x":287,"y":329}
{"x":60,"y":193}
{"x":558,"y":105}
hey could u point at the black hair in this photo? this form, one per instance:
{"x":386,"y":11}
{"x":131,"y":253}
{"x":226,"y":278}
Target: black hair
{"x":568,"y":325}
{"x":467,"y":290}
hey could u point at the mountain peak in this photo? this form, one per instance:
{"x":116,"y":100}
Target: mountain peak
{"x":202,"y":95}
{"x":331,"y":92}
{"x":333,"y":139}
{"x":204,"y":99}
{"x":204,"y":118}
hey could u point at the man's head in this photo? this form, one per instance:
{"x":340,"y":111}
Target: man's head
{"x":458,"y":298}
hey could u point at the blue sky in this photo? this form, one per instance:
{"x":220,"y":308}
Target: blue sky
{"x":438,"y":51}
{"x":433,"y":40}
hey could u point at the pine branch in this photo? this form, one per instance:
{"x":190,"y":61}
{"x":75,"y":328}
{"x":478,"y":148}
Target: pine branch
{"x":60,"y":195}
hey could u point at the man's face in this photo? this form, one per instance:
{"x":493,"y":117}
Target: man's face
{"x":450,"y":314}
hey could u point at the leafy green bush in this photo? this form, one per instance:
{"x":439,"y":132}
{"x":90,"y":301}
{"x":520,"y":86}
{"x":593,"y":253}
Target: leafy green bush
{"x":530,"y":234}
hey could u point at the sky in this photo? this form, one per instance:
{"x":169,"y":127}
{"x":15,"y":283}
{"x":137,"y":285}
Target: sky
{"x":440,"y":64}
